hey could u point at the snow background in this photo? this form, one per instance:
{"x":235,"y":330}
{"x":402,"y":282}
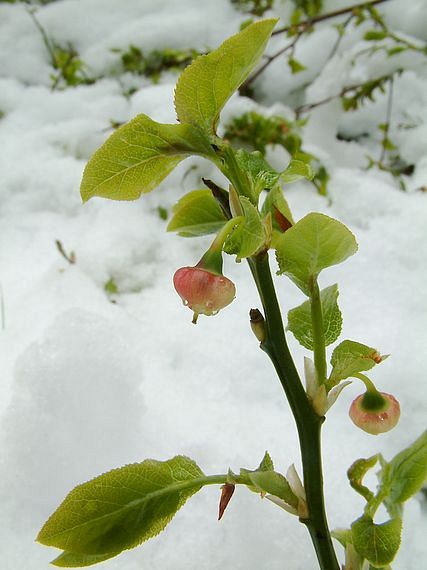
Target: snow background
{"x":88,"y":385}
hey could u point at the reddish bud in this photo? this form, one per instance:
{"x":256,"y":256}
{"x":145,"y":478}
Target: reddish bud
{"x":375,"y":412}
{"x":377,"y":358}
{"x":283,"y":222}
{"x":202,"y":291}
{"x":227,"y":491}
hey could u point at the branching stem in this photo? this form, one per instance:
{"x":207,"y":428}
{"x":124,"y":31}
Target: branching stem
{"x":348,"y":89}
{"x":307,"y":421}
{"x":386,"y":130}
{"x":298,"y":30}
{"x":327,"y":16}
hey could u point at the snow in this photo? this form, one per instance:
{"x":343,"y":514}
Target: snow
{"x":92,"y":381}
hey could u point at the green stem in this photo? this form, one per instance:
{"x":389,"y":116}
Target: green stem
{"x":319,"y":348}
{"x":307,"y":421}
{"x":370,"y":386}
{"x":233,"y":172}
{"x":212,"y":259}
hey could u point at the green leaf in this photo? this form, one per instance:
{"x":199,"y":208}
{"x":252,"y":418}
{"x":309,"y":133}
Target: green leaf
{"x":122,"y":508}
{"x":259,"y":173}
{"x":374,"y":35}
{"x":73,"y":560}
{"x":300,"y":324}
{"x":312,"y":244}
{"x":265,"y":480}
{"x":388,"y":145}
{"x":281,"y":216}
{"x":378,"y":543}
{"x":357,"y":471}
{"x":274,"y":484}
{"x":249,"y":236}
{"x":351,"y":357}
{"x":266,"y":463}
{"x":295,"y":65}
{"x":138,"y":156}
{"x":206,"y":85}
{"x":110,"y":287}
{"x":406,"y":473}
{"x":296,"y":170}
{"x":275,"y":200}
{"x":395,"y":50}
{"x":196,"y":214}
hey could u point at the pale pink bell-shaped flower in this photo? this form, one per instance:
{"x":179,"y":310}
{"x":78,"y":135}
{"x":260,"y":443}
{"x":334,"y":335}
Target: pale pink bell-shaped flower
{"x":378,"y":419}
{"x":204,"y":292}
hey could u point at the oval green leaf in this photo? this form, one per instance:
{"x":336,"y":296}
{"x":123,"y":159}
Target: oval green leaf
{"x":296,"y":170}
{"x":138,"y":156}
{"x":407,"y":471}
{"x":275,"y":484}
{"x":122,"y":508}
{"x":351,"y":357}
{"x":196,"y":214}
{"x":249,"y":236}
{"x":206,"y":85}
{"x":378,"y":543}
{"x":312,"y":244}
{"x":300,"y":324}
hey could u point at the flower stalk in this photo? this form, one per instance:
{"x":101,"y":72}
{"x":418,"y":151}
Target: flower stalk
{"x":318,"y":333}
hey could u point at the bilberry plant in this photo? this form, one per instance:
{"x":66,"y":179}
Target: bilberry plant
{"x":125,"y":507}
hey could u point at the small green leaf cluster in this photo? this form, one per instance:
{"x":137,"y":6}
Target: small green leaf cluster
{"x":398,"y":480}
{"x":303,"y":251}
{"x":110,"y":286}
{"x":137,"y":157}
{"x":309,"y":8}
{"x":392,"y":44}
{"x":256,"y":132}
{"x":254,"y":7}
{"x":153,"y":63}
{"x":70,"y":69}
{"x":379,"y":38}
{"x":357,"y":96}
{"x":390,"y":160}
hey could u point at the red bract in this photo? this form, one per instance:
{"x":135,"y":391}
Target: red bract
{"x":205,"y":293}
{"x":374,"y":421}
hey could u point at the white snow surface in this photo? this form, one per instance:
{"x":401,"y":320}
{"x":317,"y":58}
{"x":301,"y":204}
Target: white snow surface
{"x":89,"y":384}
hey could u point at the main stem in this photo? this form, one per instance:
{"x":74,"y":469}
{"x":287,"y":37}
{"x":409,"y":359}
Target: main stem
{"x":307,"y":421}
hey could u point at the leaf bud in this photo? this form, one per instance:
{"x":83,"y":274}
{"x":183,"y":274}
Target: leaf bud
{"x":257,"y":324}
{"x":375,"y":412}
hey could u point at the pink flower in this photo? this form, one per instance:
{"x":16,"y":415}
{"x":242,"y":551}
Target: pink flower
{"x":375,"y":413}
{"x":202,"y":291}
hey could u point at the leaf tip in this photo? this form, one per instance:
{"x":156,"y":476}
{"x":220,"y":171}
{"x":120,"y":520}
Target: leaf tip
{"x":85,"y":197}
